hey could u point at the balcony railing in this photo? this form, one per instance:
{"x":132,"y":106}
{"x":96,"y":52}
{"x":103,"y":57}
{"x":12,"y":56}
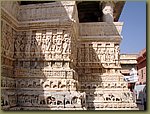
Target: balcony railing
{"x":47,"y":11}
{"x":100,"y":29}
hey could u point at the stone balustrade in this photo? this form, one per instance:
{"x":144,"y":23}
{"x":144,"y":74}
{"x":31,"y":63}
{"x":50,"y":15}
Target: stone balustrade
{"x":48,"y":11}
{"x":100,"y":29}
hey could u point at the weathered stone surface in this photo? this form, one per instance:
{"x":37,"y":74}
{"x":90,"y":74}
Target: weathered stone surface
{"x":50,"y":61}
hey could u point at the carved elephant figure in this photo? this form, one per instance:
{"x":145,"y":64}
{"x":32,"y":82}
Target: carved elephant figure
{"x":30,"y":83}
{"x":78,"y":100}
{"x":116,"y":97}
{"x":12,"y":83}
{"x":63,"y":85}
{"x":107,"y":97}
{"x":36,"y":83}
{"x":74,"y":100}
{"x":125,"y":85}
{"x":113,"y":85}
{"x":112,"y":97}
{"x":41,"y":82}
{"x":59,"y":84}
{"x":21,"y":83}
{"x":83,"y":86}
{"x":74,"y":83}
{"x":55,"y":84}
{"x":46,"y":84}
{"x":127,"y":97}
{"x":83,"y":99}
{"x":41,"y":100}
{"x":105,"y":84}
{"x":119,"y":85}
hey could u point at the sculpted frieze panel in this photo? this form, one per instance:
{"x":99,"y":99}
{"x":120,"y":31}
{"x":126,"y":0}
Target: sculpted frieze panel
{"x":95,"y":53}
{"x":52,"y":100}
{"x":128,"y":97}
{"x":20,"y":44}
{"x":8,"y":100}
{"x":8,"y":83}
{"x":45,"y":73}
{"x":8,"y":36}
{"x":7,"y":72}
{"x":45,"y":60}
{"x":112,"y":105}
{"x":12,"y":100}
{"x":110,"y":97}
{"x":93,"y":85}
{"x":50,"y":44}
{"x":63,"y":84}
{"x":7,"y":62}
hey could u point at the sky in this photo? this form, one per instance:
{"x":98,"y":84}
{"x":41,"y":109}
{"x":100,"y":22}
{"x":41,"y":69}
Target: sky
{"x":134,"y":29}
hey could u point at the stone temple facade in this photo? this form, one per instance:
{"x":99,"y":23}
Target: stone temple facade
{"x":62,"y":55}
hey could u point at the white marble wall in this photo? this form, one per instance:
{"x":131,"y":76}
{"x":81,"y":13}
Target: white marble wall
{"x":49,"y":64}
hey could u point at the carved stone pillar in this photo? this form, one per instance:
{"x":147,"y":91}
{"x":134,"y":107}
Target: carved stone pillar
{"x":107,"y":9}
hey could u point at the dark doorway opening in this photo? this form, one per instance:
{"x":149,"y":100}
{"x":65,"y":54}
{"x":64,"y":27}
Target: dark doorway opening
{"x":89,"y":11}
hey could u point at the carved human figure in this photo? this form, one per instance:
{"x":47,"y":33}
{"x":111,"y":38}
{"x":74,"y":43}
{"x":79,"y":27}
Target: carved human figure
{"x":48,"y":64}
{"x":103,"y":54}
{"x":36,"y":64}
{"x":98,"y":51}
{"x":30,"y":83}
{"x":66,"y":44}
{"x":27,"y":48}
{"x":58,"y":64}
{"x":111,"y":54}
{"x":94,"y":56}
{"x":8,"y":43}
{"x":34,"y":45}
{"x":11,"y":49}
{"x":17,"y":45}
{"x":22,"y":47}
{"x":37,"y":36}
{"x":54,"y":36}
{"x":3,"y":41}
{"x":43,"y":46}
{"x":49,"y":100}
{"x":48,"y":42}
{"x":59,"y":43}
{"x":68,"y":84}
{"x":107,"y":55}
{"x":116,"y":54}
{"x":78,"y":101}
{"x":74,"y":84}
{"x":59,"y":84}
